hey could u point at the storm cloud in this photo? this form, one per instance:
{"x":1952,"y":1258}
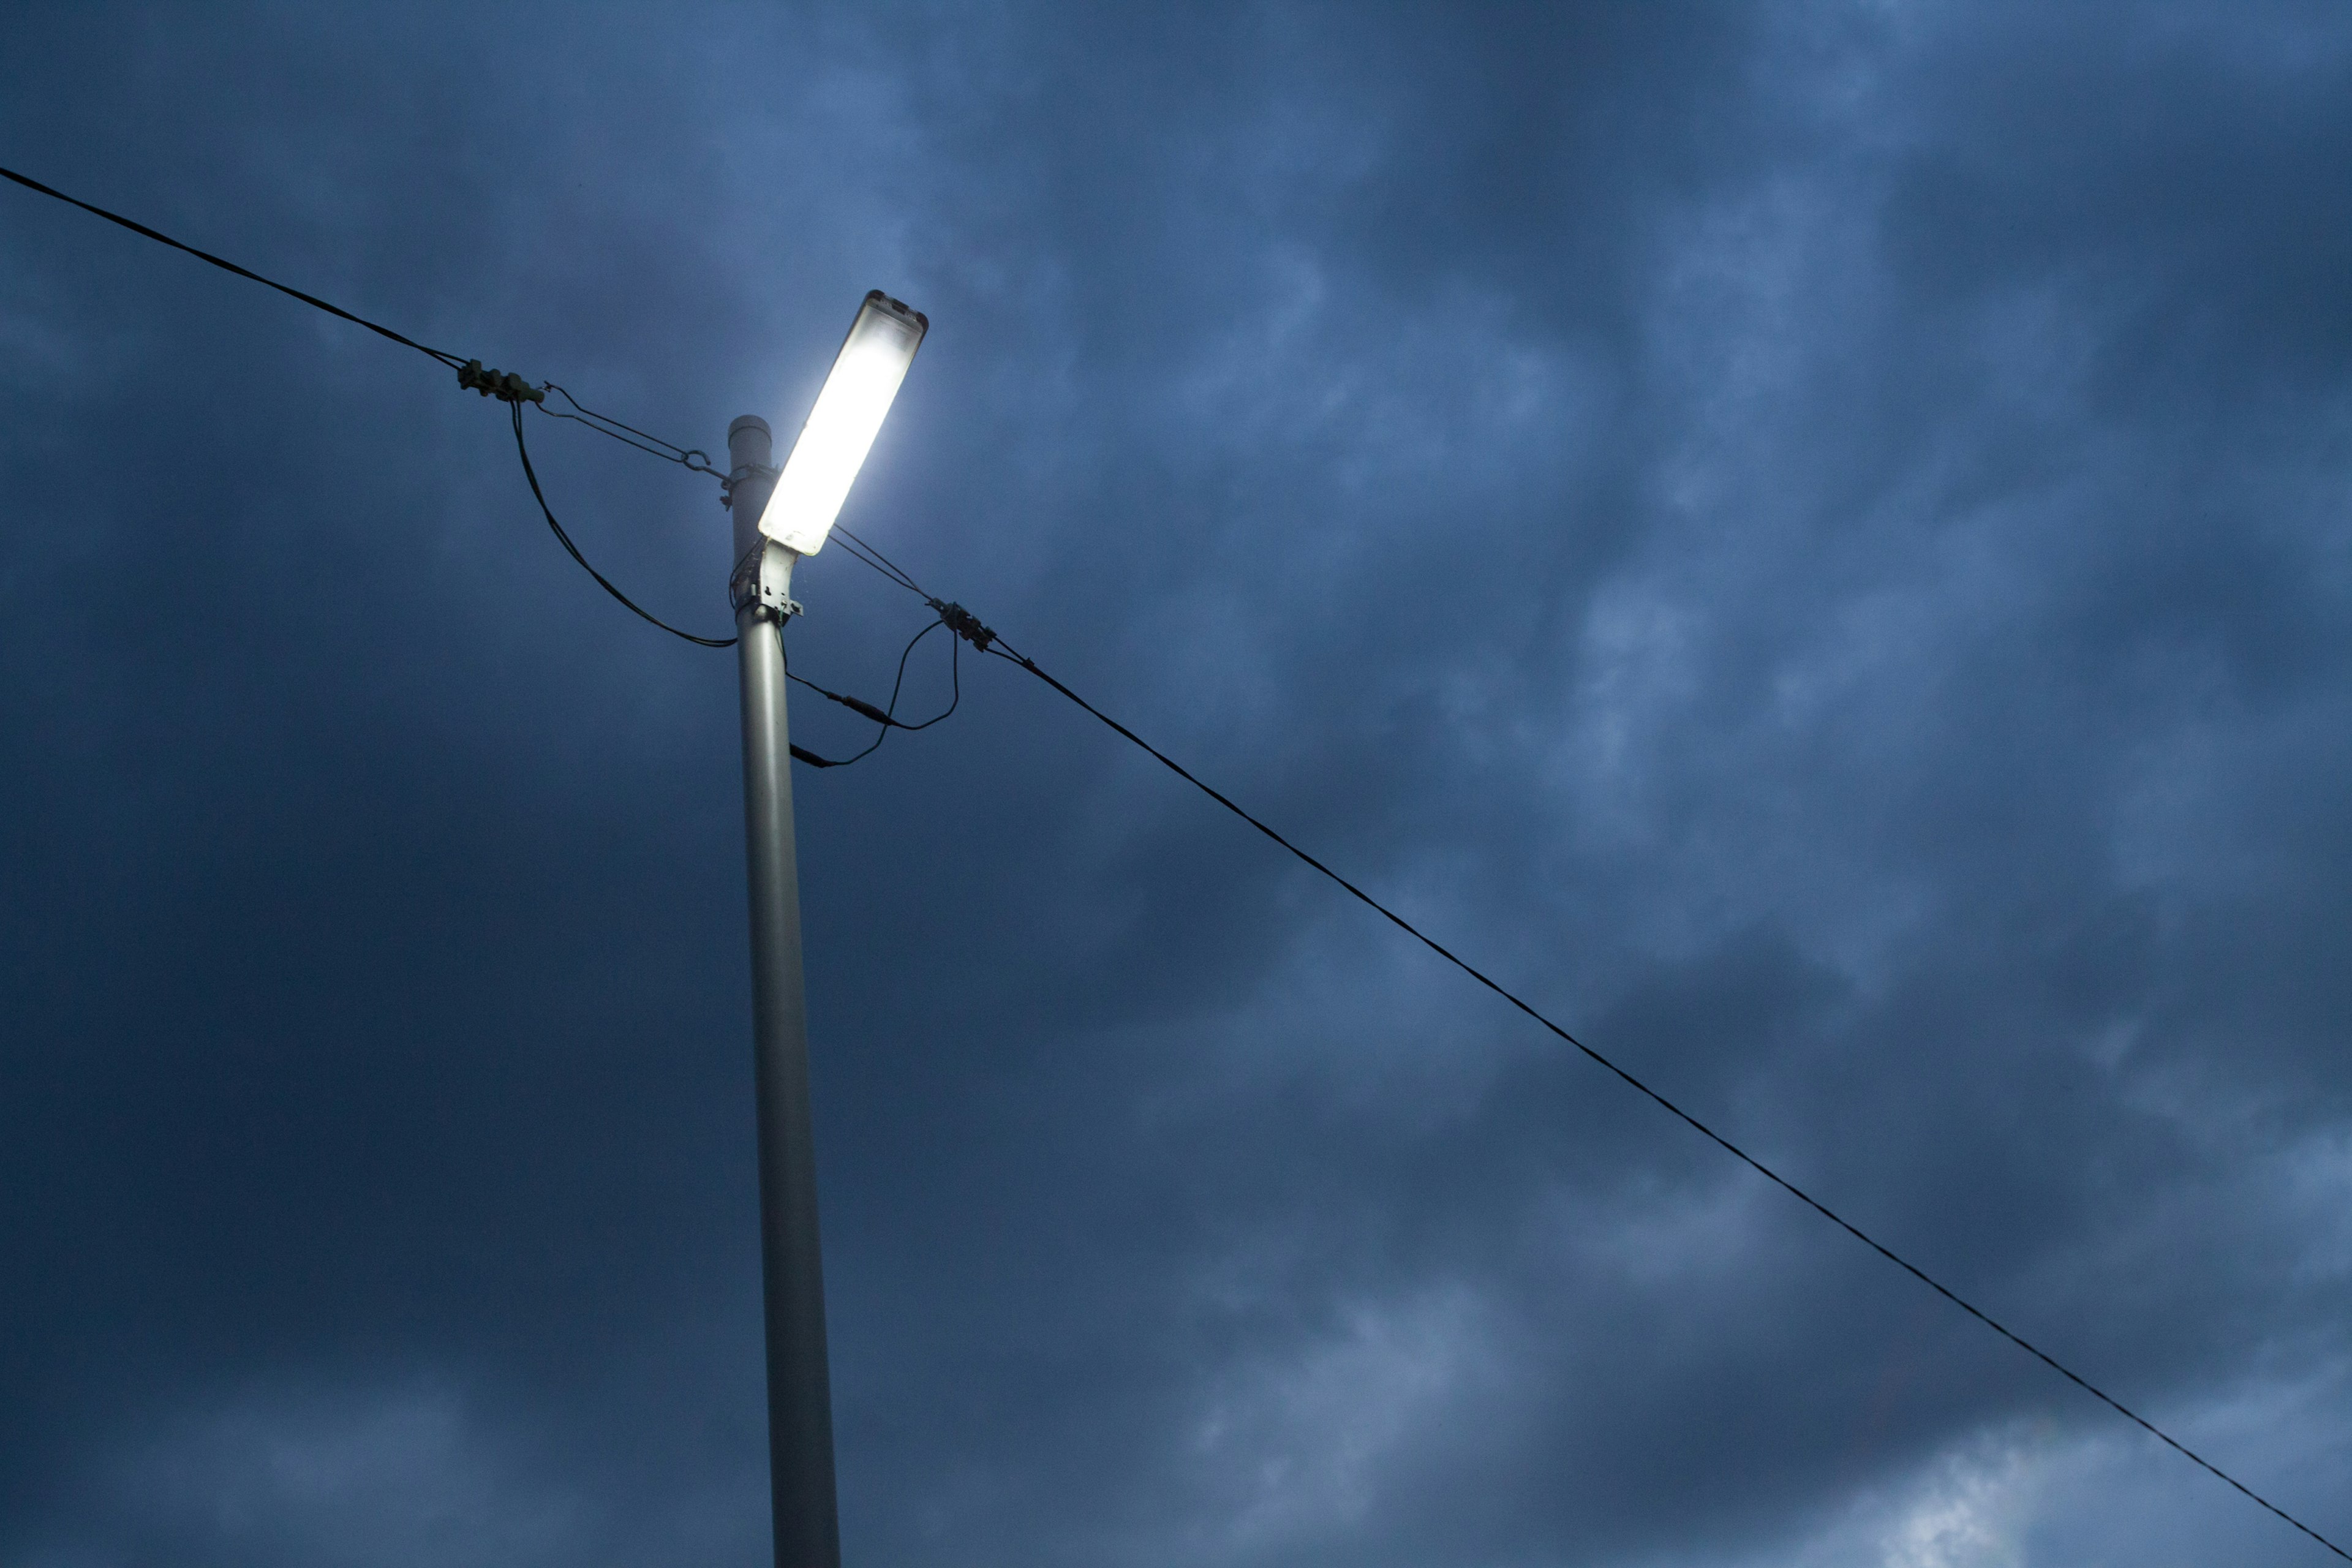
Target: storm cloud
{"x":1809,"y":541}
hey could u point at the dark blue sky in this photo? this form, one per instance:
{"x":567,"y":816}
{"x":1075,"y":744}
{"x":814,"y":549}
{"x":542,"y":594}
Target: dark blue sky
{"x":1809,"y":539}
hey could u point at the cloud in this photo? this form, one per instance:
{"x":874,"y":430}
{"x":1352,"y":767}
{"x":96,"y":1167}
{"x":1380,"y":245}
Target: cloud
{"x":1809,"y":542}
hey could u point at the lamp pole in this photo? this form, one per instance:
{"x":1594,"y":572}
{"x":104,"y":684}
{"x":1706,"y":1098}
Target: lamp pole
{"x":800,"y":1392}
{"x":781,"y":516}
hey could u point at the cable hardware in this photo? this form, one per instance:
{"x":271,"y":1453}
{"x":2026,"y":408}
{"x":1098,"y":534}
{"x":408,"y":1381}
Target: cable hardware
{"x":887,"y":718}
{"x":749,"y":470}
{"x":963,"y":623}
{"x":764,"y":577}
{"x":503,"y":385}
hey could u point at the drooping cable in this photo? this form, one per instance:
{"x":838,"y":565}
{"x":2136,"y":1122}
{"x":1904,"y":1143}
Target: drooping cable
{"x":887,"y":718}
{"x":564,"y":539}
{"x":378,"y":327}
{"x":969,"y":629}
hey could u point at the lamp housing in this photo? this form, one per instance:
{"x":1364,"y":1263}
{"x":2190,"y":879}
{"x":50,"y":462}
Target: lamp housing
{"x":841,"y":427}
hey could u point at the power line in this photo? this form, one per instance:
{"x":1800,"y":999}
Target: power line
{"x":511,"y":389}
{"x":966,"y":627}
{"x":988,"y":641}
{"x":378,"y":327}
{"x":471,"y":378}
{"x":878,"y":562}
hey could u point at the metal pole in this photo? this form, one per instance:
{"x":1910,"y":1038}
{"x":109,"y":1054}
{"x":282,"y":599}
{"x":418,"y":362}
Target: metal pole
{"x":800,"y":1392}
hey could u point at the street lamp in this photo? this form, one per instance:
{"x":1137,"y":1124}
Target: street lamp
{"x":842,"y":427}
{"x":779,"y":518}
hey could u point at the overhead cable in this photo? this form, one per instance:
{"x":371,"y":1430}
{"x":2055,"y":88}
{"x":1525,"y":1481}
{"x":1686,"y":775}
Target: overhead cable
{"x":505,"y":385}
{"x":376,"y":327}
{"x":877,"y":560}
{"x":986,"y":640}
{"x":514,"y":391}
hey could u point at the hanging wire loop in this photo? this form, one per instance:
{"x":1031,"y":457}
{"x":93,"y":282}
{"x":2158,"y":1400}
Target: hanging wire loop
{"x":692,"y":458}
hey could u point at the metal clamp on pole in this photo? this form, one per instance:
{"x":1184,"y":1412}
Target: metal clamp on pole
{"x":764,"y":577}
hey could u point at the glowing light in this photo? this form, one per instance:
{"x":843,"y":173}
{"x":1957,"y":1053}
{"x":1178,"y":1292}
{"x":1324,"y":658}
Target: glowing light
{"x":841,"y":428}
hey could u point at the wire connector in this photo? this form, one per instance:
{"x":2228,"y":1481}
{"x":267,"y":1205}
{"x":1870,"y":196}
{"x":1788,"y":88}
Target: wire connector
{"x":963,"y":623}
{"x":503,"y":385}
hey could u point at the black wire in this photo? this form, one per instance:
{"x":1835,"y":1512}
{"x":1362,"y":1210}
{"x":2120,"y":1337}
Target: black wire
{"x":955,"y":684}
{"x":565,"y":540}
{"x":1717,"y":1139}
{"x":885,"y":718}
{"x":859,"y":554}
{"x":630,"y":436}
{"x":603,"y":424}
{"x":880,"y":562}
{"x":452,"y":361}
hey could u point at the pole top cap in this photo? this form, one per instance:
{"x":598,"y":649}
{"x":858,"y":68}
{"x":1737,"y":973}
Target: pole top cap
{"x":748,"y":422}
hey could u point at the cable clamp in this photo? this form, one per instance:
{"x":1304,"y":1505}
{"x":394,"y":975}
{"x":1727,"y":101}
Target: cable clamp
{"x":727,"y":482}
{"x":503,"y":385}
{"x":964,"y":624}
{"x":764,"y":577}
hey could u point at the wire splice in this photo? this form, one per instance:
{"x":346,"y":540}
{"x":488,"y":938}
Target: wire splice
{"x":887,"y":718}
{"x":859,"y":705}
{"x":963,"y":623}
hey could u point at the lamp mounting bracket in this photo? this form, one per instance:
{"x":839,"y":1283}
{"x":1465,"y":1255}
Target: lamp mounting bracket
{"x":764,"y":577}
